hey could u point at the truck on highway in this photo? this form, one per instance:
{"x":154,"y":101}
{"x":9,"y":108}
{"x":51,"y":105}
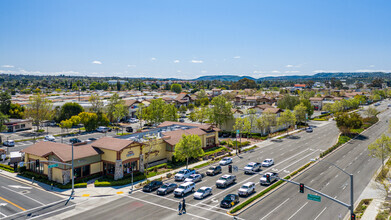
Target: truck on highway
{"x":183,"y":174}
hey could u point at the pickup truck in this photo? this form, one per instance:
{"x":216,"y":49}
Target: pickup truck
{"x":252,"y":167}
{"x":225,"y":181}
{"x":183,"y":174}
{"x":272,"y":176}
{"x":184,"y":188}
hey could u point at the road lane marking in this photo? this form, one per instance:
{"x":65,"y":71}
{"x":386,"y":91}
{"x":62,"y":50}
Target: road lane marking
{"x":274,"y":209}
{"x":3,"y":214}
{"x":175,"y":210}
{"x":6,"y":200}
{"x":320,"y":213}
{"x":23,"y":195}
{"x":47,"y":205}
{"x":85,"y":195}
{"x":297,"y":211}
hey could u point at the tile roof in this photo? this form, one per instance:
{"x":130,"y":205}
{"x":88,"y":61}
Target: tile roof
{"x":111,"y":143}
{"x":316,"y":99}
{"x":273,"y":110}
{"x":173,"y":137}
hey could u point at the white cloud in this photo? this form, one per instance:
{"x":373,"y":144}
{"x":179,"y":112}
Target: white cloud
{"x":197,"y":61}
{"x":204,"y":71}
{"x":96,"y":62}
{"x":7,"y":66}
{"x":276,"y":71}
{"x":292,"y":66}
{"x":364,"y":70}
{"x":176,"y":61}
{"x":131,"y":65}
{"x":236,"y":57}
{"x":153,"y":58}
{"x":258,"y":72}
{"x":289,"y":66}
{"x":295,"y":71}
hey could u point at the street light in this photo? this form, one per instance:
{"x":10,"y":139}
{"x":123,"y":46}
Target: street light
{"x":73,"y":175}
{"x":351,"y":183}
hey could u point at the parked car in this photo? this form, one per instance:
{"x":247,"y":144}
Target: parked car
{"x":9,"y":143}
{"x":92,"y":139}
{"x":246,"y":189}
{"x":195,"y":178}
{"x":252,"y":167}
{"x":183,"y":174}
{"x":225,"y":181}
{"x":272,"y":178}
{"x":229,"y":201}
{"x":129,"y":129}
{"x":49,"y":138}
{"x":181,"y":120}
{"x":268,"y":163}
{"x":133,"y":120}
{"x":309,"y":129}
{"x":166,"y":188}
{"x":184,"y":188}
{"x":103,"y":129}
{"x":74,"y":140}
{"x":225,"y":161}
{"x":153,"y":185}
{"x":213,"y":170}
{"x":203,"y":192}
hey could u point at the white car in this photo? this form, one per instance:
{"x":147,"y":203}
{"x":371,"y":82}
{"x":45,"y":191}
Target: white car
{"x":9,"y":143}
{"x":133,"y":120}
{"x":203,"y":192}
{"x":49,"y":138}
{"x":268,"y":163}
{"x":194,"y":178}
{"x":246,"y":189}
{"x":225,"y":181}
{"x":184,"y":188}
{"x":102,"y":129}
{"x":225,"y":161}
{"x":252,"y":167}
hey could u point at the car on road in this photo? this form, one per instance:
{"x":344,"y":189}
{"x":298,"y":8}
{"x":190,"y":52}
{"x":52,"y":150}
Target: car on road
{"x":225,"y":181}
{"x":184,"y":188}
{"x":49,"y":138}
{"x":268,"y":163}
{"x":103,"y":129}
{"x":75,"y":140}
{"x":133,"y":120}
{"x":195,"y":178}
{"x":268,"y":178}
{"x":183,"y":174}
{"x":181,"y":120}
{"x":129,"y":129}
{"x":376,"y":104}
{"x":323,"y":113}
{"x":389,"y":105}
{"x":203,"y":192}
{"x":166,"y":188}
{"x":9,"y":143}
{"x":308,"y":129}
{"x":252,"y":167}
{"x":246,"y":189}
{"x":229,"y":201}
{"x":213,"y":170}
{"x":92,"y":139}
{"x":225,"y":161}
{"x":153,"y":185}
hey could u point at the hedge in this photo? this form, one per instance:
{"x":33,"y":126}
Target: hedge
{"x":251,"y":148}
{"x":214,"y":150}
{"x":44,"y":179}
{"x":320,"y":119}
{"x":341,"y":140}
{"x":7,"y":168}
{"x":109,"y":182}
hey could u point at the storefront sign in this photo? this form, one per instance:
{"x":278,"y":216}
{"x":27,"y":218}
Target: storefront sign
{"x":130,"y":153}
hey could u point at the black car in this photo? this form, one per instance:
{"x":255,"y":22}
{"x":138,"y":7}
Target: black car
{"x":154,"y":185}
{"x":213,"y":170}
{"x":229,"y":201}
{"x":181,"y":120}
{"x":129,"y":129}
{"x":92,"y":139}
{"x":74,"y":140}
{"x":166,"y":188}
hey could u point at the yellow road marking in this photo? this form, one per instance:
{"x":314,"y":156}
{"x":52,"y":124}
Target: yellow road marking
{"x":12,"y":203}
{"x":120,"y":192}
{"x":85,"y":195}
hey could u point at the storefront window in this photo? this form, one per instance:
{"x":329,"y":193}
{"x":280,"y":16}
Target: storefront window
{"x":128,"y":167}
{"x":36,"y":169}
{"x":77,"y":172}
{"x":109,"y":168}
{"x":86,"y":170}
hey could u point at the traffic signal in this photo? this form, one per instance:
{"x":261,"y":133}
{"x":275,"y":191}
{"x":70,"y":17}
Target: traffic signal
{"x":353,"y":217}
{"x":15,"y":167}
{"x":268,"y":178}
{"x":230,"y":168}
{"x":37,"y":163}
{"x":301,"y":187}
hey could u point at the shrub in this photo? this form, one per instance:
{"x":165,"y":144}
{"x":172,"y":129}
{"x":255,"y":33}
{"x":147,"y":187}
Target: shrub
{"x":7,"y":168}
{"x":110,"y":182}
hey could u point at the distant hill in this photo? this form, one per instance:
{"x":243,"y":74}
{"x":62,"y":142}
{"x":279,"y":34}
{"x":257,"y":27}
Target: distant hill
{"x":224,"y":78}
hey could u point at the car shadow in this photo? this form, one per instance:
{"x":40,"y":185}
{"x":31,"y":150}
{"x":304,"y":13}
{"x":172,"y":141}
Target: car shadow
{"x":276,"y":140}
{"x":293,"y":137}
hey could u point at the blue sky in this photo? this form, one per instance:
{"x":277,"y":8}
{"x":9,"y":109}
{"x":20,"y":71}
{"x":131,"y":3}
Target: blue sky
{"x":187,"y":39}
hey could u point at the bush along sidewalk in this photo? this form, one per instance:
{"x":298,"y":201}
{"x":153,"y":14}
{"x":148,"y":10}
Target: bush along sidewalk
{"x":265,"y":191}
{"x":7,"y":168}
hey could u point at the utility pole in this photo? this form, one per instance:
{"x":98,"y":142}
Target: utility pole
{"x":73,"y":177}
{"x":237,"y":134}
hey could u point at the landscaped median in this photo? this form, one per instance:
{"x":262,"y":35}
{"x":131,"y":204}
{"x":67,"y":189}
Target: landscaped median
{"x":265,"y":191}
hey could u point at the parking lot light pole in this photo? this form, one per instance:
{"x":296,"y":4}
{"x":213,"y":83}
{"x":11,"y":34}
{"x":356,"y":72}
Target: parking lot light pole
{"x":351,"y":208}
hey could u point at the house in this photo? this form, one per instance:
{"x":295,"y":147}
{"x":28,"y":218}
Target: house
{"x":14,"y":125}
{"x":317,"y":103}
{"x":216,"y":92}
{"x":183,"y":99}
{"x":299,"y":86}
{"x":260,"y":108}
{"x":132,"y":105}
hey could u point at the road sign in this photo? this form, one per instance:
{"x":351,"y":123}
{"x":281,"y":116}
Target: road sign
{"x":236,"y":168}
{"x":53,"y":165}
{"x":313,"y":197}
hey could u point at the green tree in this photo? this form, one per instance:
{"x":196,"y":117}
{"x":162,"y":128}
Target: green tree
{"x":70,"y":109}
{"x":300,"y":112}
{"x":140,"y":113}
{"x":252,"y":118}
{"x":154,"y":113}
{"x":243,"y":125}
{"x":3,"y":119}
{"x":170,"y":113}
{"x":347,"y":121}
{"x":177,"y":88}
{"x":39,"y":109}
{"x":310,"y":108}
{"x":89,"y":120}
{"x":201,"y":94}
{"x":120,"y":111}
{"x":244,"y":84}
{"x":220,"y":112}
{"x":66,"y":124}
{"x":16,"y":111}
{"x":381,"y":149}
{"x":371,"y":112}
{"x":182,"y":109}
{"x":201,"y":114}
{"x":188,"y":147}
{"x":288,"y":102}
{"x":5,"y":102}
{"x":287,"y":118}
{"x":96,"y":103}
{"x":110,"y":108}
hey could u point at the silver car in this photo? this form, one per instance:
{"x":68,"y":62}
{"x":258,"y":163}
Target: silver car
{"x":203,"y":192}
{"x":194,"y":178}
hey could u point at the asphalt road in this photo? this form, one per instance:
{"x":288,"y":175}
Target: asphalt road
{"x":289,"y":154}
{"x":288,"y":203}
{"x":19,"y":200}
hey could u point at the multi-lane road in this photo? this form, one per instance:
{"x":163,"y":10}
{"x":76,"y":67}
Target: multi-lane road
{"x":289,"y":154}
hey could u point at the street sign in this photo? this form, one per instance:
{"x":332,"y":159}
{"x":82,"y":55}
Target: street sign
{"x":236,"y":168}
{"x":313,"y":197}
{"x":53,"y":165}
